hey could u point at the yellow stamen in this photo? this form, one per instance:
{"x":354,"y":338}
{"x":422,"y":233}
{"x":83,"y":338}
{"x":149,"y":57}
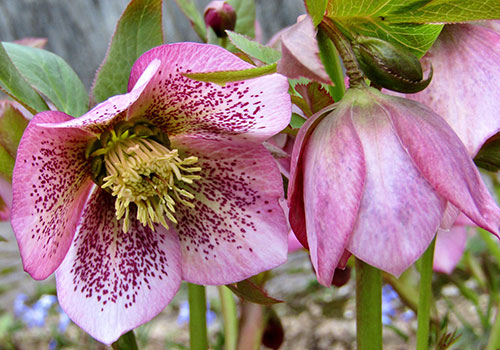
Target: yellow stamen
{"x":145,"y":172}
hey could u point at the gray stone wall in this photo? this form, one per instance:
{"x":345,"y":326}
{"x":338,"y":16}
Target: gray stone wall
{"x":79,"y":30}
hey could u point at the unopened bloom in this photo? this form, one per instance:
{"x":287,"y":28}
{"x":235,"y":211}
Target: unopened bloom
{"x":374,"y":178}
{"x":166,"y":182}
{"x":220,"y":16}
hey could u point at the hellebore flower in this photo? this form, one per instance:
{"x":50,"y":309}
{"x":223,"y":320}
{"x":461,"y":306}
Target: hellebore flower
{"x":166,"y":182}
{"x":374,"y":177}
{"x":465,"y":92}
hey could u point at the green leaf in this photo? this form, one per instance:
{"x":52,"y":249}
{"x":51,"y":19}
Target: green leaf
{"x":191,"y":12}
{"x":297,"y":121}
{"x":371,"y":18}
{"x":249,"y":291}
{"x":138,"y":30}
{"x":316,"y":9}
{"x":12,"y":125}
{"x":12,"y":82}
{"x":488,"y":156}
{"x":245,"y":16}
{"x":52,"y":76}
{"x":6,"y":163}
{"x":222,"y":77}
{"x":447,"y":11}
{"x":254,"y":49}
{"x":2,"y":238}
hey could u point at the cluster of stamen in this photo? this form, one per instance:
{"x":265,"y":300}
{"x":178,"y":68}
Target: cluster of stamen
{"x":134,"y":163}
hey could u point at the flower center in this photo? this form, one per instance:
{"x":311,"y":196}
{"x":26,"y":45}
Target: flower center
{"x":134,"y":163}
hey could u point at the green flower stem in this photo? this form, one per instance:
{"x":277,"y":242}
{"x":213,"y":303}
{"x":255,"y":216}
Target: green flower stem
{"x":197,"y":317}
{"x":425,"y":297}
{"x":331,"y":60}
{"x":491,"y":244}
{"x":368,"y":307}
{"x":345,"y":51}
{"x":494,"y":340}
{"x":126,"y":342}
{"x":230,"y":318}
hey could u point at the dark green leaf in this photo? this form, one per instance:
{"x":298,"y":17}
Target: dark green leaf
{"x":189,"y":9}
{"x":297,"y":121}
{"x":315,"y":95}
{"x":223,"y":77}
{"x":316,"y":9}
{"x":6,"y":163}
{"x":50,"y":75}
{"x":488,"y":156}
{"x":12,"y":125}
{"x":254,"y":49}
{"x":138,"y":30}
{"x":249,"y":291}
{"x":12,"y":82}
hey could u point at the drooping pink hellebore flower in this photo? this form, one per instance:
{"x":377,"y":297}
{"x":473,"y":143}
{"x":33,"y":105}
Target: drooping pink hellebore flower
{"x":374,"y":178}
{"x":205,"y":201}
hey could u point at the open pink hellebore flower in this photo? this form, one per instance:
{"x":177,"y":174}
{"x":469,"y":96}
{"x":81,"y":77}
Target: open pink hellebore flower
{"x":374,"y":177}
{"x":166,"y":182}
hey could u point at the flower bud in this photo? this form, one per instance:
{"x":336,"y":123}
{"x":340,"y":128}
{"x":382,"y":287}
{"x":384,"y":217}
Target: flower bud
{"x":389,"y":65}
{"x":341,"y":276}
{"x":220,"y":16}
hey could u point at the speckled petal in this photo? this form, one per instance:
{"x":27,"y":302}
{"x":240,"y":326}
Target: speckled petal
{"x":400,"y":211}
{"x":110,"y":281}
{"x":254,"y":109}
{"x":237,"y":228}
{"x":443,"y":160}
{"x":450,"y":246}
{"x":466,"y":81}
{"x":106,"y":114}
{"x":50,"y":185}
{"x":334,"y":175}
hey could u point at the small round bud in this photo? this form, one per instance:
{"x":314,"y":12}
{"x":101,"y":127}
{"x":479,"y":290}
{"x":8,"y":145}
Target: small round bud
{"x":341,"y":276}
{"x":389,"y":65}
{"x":220,"y":16}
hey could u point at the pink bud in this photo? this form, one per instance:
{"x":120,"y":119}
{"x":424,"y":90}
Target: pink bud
{"x":220,"y":16}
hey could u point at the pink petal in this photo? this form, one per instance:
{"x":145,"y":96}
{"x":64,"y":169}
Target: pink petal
{"x":111,"y":282}
{"x":400,"y":211}
{"x":443,"y":160}
{"x":237,"y":228}
{"x":50,"y":185}
{"x":334,"y":176}
{"x":120,"y":107}
{"x":450,"y":246}
{"x":466,"y":81}
{"x":254,"y":109}
{"x":300,"y":53}
{"x":295,"y":185}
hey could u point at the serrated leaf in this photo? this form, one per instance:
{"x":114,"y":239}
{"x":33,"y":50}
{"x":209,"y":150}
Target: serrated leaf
{"x":315,"y":95}
{"x":254,"y":49}
{"x":189,"y":9}
{"x":223,"y":77}
{"x":249,"y":291}
{"x":316,"y":9}
{"x":447,"y":11}
{"x":138,"y":30}
{"x":13,"y":83}
{"x":245,"y":16}
{"x":371,"y":18}
{"x":52,"y":76}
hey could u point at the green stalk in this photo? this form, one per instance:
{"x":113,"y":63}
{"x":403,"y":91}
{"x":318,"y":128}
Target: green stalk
{"x":197,"y":317}
{"x":494,"y":340}
{"x":230,"y":317}
{"x":425,"y":297}
{"x":491,"y":244}
{"x":368,"y":307}
{"x":331,"y":60}
{"x":126,"y":342}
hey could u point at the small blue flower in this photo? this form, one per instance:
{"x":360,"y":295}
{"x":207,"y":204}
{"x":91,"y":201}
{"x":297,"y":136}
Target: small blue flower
{"x":183,"y":316}
{"x":64,"y":321}
{"x":20,"y":304}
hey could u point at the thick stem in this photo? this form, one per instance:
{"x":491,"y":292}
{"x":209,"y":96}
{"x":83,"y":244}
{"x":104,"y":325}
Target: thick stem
{"x":345,"y":51}
{"x":197,"y":317}
{"x":126,"y":342}
{"x":368,"y":307}
{"x":230,"y":318}
{"x":425,"y":297}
